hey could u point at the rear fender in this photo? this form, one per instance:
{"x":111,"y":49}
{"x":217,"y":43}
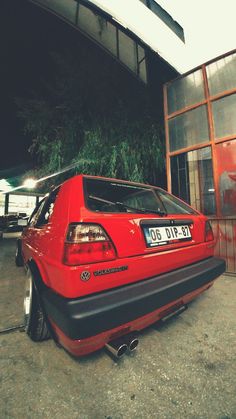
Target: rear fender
{"x":39,"y":285}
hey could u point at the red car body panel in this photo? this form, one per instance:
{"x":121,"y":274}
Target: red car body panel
{"x":44,"y":245}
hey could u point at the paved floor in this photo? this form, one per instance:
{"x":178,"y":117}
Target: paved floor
{"x":184,"y":369}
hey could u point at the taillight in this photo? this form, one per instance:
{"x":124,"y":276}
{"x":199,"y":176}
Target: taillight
{"x":209,"y":236}
{"x":87,"y":243}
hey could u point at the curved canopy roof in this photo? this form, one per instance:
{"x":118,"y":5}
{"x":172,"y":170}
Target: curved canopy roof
{"x":125,"y":28}
{"x":151,"y":29}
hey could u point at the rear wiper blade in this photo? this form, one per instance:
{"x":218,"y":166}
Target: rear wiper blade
{"x":142,"y":210}
{"x":122,"y":205}
{"x":151,"y":211}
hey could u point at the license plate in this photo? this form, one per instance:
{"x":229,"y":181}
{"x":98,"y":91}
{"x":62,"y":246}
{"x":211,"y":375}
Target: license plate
{"x":158,"y":236}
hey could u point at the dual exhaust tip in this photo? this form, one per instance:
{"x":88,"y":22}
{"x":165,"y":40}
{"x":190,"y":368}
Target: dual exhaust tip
{"x":118,"y":347}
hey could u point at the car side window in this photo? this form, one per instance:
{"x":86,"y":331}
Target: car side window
{"x":47,"y":209}
{"x":35,"y":214}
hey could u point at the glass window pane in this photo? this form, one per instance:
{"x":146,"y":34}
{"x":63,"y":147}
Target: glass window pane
{"x":127,"y":51}
{"x":142,"y":64}
{"x":180,"y":177}
{"x":224,"y":116}
{"x":192,"y":179}
{"x":98,"y":27}
{"x":66,"y":9}
{"x":188,"y":129}
{"x":102,"y":196}
{"x":108,"y":37}
{"x":90,"y":22}
{"x":226,"y":163}
{"x":21,"y":203}
{"x":222,"y":75}
{"x":173,"y":205}
{"x":185,"y":91}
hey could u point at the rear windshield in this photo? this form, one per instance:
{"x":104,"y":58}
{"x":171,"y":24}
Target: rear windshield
{"x":108,"y":196}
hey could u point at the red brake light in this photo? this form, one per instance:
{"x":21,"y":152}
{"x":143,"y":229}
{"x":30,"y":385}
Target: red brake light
{"x":209,"y":236}
{"x":87,"y":243}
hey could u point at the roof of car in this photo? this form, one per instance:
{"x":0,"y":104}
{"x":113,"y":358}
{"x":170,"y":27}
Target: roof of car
{"x":117,"y":180}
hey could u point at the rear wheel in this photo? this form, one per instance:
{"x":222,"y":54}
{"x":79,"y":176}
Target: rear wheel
{"x":34,"y":318}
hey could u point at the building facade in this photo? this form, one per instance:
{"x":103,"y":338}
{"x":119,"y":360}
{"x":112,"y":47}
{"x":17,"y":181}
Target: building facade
{"x":200,"y":122}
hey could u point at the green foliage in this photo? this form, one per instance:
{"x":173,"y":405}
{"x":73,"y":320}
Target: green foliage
{"x":132,"y":151}
{"x":75,"y":119}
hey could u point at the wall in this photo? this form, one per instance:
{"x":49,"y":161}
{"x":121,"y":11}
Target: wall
{"x":200,"y":123}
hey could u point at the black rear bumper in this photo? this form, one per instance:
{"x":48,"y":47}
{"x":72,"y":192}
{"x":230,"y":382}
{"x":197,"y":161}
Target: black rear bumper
{"x":84,"y":317}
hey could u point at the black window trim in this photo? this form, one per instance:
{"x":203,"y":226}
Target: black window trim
{"x":154,"y":189}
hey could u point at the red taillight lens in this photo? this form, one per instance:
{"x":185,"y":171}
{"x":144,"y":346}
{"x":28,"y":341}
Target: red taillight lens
{"x":209,"y":236}
{"x":87,"y":243}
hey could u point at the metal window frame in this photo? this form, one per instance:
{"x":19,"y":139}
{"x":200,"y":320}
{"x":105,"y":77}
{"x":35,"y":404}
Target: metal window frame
{"x":212,"y":140}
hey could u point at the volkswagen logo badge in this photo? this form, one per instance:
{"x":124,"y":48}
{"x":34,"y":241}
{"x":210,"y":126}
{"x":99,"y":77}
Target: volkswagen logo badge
{"x":85,"y":276}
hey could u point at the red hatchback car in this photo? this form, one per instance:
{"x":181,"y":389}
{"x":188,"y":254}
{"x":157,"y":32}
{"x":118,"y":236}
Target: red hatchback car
{"x":105,"y":258}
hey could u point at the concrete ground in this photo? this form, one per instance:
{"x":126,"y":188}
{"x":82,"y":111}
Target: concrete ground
{"x":184,"y":369}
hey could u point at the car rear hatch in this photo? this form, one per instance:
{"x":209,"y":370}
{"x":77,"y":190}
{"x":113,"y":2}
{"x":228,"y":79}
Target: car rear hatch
{"x":140,"y":219}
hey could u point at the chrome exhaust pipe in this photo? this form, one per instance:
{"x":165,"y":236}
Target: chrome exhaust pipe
{"x":117,"y":347}
{"x":131,"y":341}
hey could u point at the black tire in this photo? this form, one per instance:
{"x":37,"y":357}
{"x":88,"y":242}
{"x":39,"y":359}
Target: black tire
{"x":34,"y":318}
{"x":18,"y":256}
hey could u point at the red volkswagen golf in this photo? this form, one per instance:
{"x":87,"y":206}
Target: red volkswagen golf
{"x":105,"y":258}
